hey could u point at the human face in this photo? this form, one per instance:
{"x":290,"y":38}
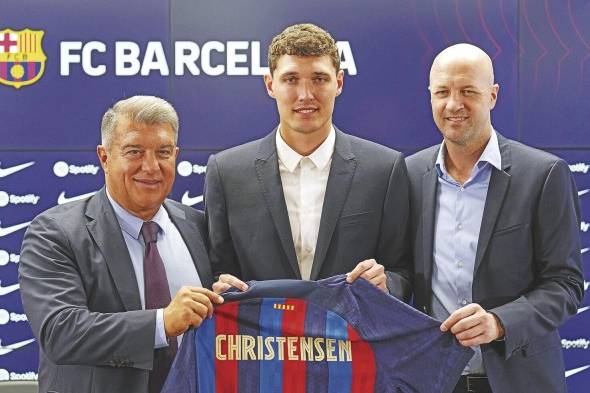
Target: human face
{"x":305,"y":88}
{"x":462,"y":97}
{"x":139,"y":166}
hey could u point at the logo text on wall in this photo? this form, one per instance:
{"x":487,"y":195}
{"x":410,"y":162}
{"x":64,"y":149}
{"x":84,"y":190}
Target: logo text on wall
{"x":212,"y":58}
{"x":22,"y":60}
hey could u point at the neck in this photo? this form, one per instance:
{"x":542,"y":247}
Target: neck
{"x":303,"y":143}
{"x":460,"y":159}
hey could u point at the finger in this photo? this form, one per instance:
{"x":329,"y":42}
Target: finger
{"x":470,"y":333}
{"x":378,"y":281}
{"x":479,"y":340}
{"x":458,"y":315}
{"x":220,"y":287}
{"x":359,"y":269}
{"x":466,"y":324}
{"x":373,"y":272}
{"x":233,"y":281}
{"x":214,"y":297}
{"x":200,"y":299}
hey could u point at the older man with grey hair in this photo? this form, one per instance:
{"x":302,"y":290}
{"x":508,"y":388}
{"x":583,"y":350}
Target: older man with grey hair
{"x":494,"y":234}
{"x":109,"y":283}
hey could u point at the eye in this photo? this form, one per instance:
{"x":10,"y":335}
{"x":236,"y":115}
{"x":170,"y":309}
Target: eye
{"x":441,"y":93}
{"x":291,"y":80}
{"x":468,"y":93}
{"x":320,"y":79}
{"x":133,"y":152}
{"x":165,"y":153}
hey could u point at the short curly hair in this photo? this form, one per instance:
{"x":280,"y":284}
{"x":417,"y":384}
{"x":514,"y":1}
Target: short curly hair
{"x":304,"y":39}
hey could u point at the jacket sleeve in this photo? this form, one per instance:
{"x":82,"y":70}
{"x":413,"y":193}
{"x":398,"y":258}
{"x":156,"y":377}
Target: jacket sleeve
{"x":55,"y":301}
{"x":559,"y":286}
{"x":221,"y":249}
{"x":394,"y":246}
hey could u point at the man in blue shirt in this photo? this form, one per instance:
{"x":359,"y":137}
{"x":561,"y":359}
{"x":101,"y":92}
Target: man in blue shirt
{"x":495,"y":235}
{"x":109,"y":282}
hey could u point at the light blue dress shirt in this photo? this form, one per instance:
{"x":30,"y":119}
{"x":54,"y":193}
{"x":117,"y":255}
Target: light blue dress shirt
{"x":459,"y":210}
{"x":180,"y":269}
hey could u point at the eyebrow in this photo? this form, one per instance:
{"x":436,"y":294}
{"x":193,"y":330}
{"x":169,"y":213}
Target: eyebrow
{"x":141,"y":147}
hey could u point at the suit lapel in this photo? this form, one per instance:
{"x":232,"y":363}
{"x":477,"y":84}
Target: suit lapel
{"x":429,"y":189}
{"x":267,"y":170}
{"x":341,"y":173}
{"x":106,"y":232}
{"x":194,"y":242}
{"x":499,"y":182}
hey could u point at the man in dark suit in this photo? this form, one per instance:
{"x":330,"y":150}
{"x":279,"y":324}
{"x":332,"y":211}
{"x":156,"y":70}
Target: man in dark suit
{"x":108,"y":283}
{"x":494,"y":235}
{"x":307,"y":201}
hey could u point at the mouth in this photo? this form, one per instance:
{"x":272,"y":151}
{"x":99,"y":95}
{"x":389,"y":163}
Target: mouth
{"x":306,"y":110}
{"x":456,"y":119}
{"x":148,"y":182}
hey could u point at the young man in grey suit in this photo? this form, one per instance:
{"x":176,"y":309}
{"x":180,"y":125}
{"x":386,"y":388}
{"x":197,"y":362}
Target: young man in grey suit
{"x":494,"y":234}
{"x":108,"y":283}
{"x":307,"y":201}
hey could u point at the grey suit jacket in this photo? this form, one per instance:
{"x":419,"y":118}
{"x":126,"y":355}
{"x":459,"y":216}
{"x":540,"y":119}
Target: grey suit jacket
{"x":528,"y":266}
{"x":364,"y":214}
{"x":80,"y":295}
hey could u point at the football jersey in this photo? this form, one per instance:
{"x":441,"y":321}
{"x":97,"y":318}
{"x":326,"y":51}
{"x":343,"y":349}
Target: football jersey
{"x":327,"y":336}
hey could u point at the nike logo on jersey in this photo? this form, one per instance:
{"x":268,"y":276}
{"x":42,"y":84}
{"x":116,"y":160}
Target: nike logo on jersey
{"x":13,"y":169}
{"x":189,"y":201}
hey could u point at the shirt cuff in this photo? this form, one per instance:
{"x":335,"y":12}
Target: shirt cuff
{"x":160,"y":339}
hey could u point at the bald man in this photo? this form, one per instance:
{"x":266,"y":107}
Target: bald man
{"x":495,"y":235}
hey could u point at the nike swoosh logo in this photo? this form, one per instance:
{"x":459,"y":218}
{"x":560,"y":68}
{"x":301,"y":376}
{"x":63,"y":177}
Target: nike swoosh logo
{"x":13,"y":228}
{"x":581,"y":310}
{"x":13,"y":169}
{"x":189,"y":201}
{"x":586,"y":285}
{"x":584,"y":250}
{"x":9,"y":348}
{"x":63,"y":199}
{"x":583,"y":192}
{"x":8,"y":289}
{"x":569,"y":373}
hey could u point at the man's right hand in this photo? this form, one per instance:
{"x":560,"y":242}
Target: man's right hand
{"x":190,"y":306}
{"x":226,"y":281}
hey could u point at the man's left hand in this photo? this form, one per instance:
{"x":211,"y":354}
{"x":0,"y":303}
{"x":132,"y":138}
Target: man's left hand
{"x":472,"y":325}
{"x":371,"y":271}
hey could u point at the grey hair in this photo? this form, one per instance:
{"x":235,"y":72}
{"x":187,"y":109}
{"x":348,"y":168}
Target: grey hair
{"x":138,"y":109}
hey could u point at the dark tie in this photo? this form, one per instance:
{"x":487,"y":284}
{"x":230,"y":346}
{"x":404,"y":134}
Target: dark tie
{"x":157,"y":295}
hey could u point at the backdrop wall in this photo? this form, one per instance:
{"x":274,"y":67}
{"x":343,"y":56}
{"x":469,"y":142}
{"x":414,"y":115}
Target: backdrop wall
{"x":207,"y":58}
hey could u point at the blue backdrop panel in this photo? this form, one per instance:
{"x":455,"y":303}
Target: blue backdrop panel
{"x":541,"y":52}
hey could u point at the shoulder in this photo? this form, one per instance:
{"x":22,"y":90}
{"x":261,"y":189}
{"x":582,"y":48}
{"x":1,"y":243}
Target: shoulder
{"x":365,"y":149}
{"x":238,"y":154}
{"x":422,"y":161}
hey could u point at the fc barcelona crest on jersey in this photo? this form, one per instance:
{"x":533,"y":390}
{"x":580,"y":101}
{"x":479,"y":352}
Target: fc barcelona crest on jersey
{"x":22,"y":60}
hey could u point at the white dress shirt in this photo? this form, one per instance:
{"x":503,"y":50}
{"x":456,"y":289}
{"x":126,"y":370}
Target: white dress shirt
{"x":178,"y":262}
{"x":304,"y":182}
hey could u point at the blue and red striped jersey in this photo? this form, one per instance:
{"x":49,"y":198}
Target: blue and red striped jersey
{"x":327,"y":336}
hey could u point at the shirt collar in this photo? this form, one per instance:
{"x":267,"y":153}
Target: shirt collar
{"x":491,"y":154}
{"x":132,"y":224}
{"x":320,"y":156}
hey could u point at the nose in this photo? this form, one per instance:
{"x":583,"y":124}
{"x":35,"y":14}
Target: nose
{"x":150,"y":162}
{"x":305,"y":91}
{"x":455,"y":102}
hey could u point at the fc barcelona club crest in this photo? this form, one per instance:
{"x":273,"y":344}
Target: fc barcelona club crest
{"x":22,"y":60}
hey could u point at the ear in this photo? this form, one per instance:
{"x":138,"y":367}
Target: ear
{"x":339,"y":82}
{"x":494,"y":95}
{"x":176,"y":151}
{"x":268,"y":84}
{"x":101,"y":152}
